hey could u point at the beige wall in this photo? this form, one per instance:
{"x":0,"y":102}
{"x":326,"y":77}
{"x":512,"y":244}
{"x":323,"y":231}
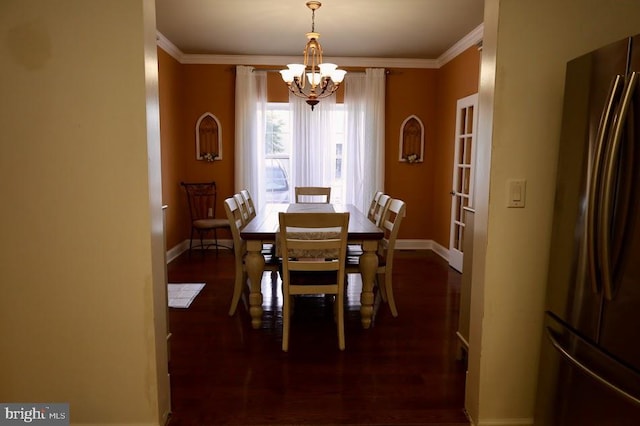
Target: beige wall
{"x":526,"y":46}
{"x":82,"y":308}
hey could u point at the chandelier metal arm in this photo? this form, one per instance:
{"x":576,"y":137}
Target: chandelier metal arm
{"x":326,"y":78}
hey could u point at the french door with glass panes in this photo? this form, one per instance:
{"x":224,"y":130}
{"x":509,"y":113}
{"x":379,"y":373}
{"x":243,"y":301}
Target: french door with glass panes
{"x":463,"y":165}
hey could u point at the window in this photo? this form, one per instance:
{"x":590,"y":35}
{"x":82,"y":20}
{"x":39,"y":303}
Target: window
{"x":278,"y":143}
{"x":278,"y":153}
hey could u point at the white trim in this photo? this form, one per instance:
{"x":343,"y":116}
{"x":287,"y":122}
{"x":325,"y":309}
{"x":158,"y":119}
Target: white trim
{"x":473,"y":38}
{"x":441,"y":251}
{"x":180,"y":248}
{"x":459,"y":191}
{"x":168,"y":47}
{"x":423,"y":245}
{"x":281,"y":60}
{"x":177,"y":250}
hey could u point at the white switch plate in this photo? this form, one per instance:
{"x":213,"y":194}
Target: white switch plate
{"x":516,"y":192}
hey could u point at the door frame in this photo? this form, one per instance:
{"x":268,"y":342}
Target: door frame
{"x":463,"y":170}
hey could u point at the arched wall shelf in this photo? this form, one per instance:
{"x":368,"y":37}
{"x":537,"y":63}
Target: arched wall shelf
{"x":208,"y":138}
{"x":411,"y":140}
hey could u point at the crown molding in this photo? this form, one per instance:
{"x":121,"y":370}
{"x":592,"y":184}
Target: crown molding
{"x":473,"y":38}
{"x":168,"y":47}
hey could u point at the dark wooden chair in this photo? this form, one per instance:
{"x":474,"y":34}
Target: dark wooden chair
{"x":201,"y":199}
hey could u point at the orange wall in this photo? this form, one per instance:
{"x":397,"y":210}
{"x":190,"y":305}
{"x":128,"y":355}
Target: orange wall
{"x":411,"y":92}
{"x":189,"y":90}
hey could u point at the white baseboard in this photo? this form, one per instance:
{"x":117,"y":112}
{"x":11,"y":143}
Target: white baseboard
{"x":180,"y":248}
{"x":423,"y":245}
{"x":177,"y":250}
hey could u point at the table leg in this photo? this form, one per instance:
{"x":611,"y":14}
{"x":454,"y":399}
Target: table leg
{"x":368,"y":268}
{"x":255,"y":267}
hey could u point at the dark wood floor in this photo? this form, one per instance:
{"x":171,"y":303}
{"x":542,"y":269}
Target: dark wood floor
{"x":402,"y":371}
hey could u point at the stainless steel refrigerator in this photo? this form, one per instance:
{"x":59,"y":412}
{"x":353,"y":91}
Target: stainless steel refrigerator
{"x":590,"y":360}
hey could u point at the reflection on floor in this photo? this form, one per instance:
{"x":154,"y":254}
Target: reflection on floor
{"x":402,"y":371}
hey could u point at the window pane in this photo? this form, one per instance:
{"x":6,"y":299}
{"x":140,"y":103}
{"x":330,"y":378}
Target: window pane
{"x":277,"y":154}
{"x":278,"y":133}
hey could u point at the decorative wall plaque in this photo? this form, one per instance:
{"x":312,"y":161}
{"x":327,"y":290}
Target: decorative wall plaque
{"x":411,"y":140}
{"x":208,"y":138}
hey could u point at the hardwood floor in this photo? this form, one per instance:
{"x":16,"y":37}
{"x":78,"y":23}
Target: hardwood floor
{"x":402,"y":371}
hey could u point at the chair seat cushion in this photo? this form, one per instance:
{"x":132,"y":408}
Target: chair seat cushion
{"x":211,"y":223}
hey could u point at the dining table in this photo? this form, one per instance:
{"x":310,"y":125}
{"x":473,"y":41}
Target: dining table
{"x":264,"y":228}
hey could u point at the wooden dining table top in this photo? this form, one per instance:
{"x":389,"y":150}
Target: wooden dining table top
{"x":265,"y":224}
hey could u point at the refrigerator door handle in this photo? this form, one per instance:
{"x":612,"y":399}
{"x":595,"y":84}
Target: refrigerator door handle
{"x":604,"y":228}
{"x":594,"y":179}
{"x":574,"y":361}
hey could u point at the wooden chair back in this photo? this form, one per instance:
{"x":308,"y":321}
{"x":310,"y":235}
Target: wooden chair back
{"x":390,"y":223}
{"x":251,"y":208}
{"x":242,"y":206}
{"x":316,"y":234}
{"x":311,"y":194}
{"x":372,"y":206}
{"x":234,"y":214}
{"x":380,"y":208}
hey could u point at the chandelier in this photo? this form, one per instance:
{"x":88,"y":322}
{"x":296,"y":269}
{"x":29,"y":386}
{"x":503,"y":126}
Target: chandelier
{"x":323,"y":79}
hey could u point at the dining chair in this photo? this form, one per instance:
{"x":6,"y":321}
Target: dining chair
{"x":390,"y":224}
{"x":313,"y":249}
{"x":382,"y":204}
{"x":311,"y":194}
{"x":201,"y":199}
{"x":251,"y":208}
{"x":372,"y":206}
{"x":244,"y":209}
{"x":234,"y":215}
{"x":244,"y":200}
{"x":377,"y":209}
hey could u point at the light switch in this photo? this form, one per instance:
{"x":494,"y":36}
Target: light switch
{"x":516,"y":191}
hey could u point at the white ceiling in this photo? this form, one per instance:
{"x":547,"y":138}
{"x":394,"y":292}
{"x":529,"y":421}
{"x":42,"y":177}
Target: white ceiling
{"x":411,"y":29}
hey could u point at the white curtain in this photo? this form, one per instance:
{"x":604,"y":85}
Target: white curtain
{"x":364,"y":101}
{"x":251,"y":107}
{"x":311,"y":154}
